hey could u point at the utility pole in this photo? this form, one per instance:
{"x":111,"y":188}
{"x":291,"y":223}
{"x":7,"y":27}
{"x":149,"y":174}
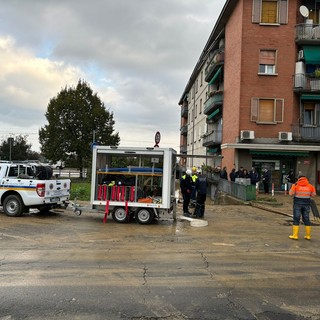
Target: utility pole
{"x":10,"y":141}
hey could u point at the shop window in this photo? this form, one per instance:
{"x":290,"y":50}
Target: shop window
{"x":267,"y":62}
{"x":267,"y":111}
{"x":270,"y":11}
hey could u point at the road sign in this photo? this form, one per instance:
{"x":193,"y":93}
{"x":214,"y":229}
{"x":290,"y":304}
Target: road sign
{"x":157,"y":138}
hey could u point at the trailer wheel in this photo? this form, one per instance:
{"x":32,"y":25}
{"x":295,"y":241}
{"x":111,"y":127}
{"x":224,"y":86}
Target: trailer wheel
{"x":145,"y":216}
{"x":119,"y":214}
{"x":13,"y":206}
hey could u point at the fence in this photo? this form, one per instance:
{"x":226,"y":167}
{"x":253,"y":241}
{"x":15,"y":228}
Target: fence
{"x":65,"y":173}
{"x":237,"y":190}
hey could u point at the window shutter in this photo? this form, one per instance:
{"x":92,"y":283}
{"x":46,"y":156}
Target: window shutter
{"x":279,"y":110}
{"x":256,"y":8}
{"x":269,"y":12}
{"x":283,"y":12}
{"x":267,"y":57}
{"x":266,"y":110}
{"x":254,"y":109}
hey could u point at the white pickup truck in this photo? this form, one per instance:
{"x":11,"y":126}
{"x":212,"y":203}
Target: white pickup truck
{"x":26,"y":185}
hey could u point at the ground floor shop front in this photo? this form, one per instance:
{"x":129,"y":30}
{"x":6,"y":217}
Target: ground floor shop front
{"x":278,"y":162}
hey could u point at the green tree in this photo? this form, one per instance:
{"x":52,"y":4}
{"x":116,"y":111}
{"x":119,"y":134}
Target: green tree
{"x":17,"y":148}
{"x":74,"y":117}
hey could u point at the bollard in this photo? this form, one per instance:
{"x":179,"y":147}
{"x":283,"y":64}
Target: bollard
{"x":285,"y":189}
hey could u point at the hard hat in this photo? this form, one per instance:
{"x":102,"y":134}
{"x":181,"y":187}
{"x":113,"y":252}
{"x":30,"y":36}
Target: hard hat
{"x":188,"y":172}
{"x":194,"y":168}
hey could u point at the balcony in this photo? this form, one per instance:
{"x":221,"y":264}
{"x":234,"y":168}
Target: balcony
{"x":184,"y":112}
{"x":184,"y":130}
{"x":213,"y":102}
{"x":308,"y":133}
{"x":212,"y":138}
{"x":183,"y":149}
{"x":307,"y":33}
{"x":306,"y":83}
{"x":216,"y":61}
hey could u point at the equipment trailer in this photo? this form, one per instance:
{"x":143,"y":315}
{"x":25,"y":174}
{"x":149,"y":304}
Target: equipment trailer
{"x":133,"y":182}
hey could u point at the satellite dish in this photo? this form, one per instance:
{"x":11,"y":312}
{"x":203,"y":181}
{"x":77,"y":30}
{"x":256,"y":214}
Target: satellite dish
{"x":304,"y":11}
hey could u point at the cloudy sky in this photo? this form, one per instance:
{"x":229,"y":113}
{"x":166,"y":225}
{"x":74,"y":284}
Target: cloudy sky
{"x":137,"y":55}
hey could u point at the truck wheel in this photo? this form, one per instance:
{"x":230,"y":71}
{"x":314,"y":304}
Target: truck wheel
{"x":119,"y":214}
{"x":13,"y":206}
{"x":145,"y":216}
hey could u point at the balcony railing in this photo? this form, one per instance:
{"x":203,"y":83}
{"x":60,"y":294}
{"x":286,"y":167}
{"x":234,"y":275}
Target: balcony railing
{"x":302,"y":132}
{"x":306,"y":83}
{"x":216,"y":61}
{"x":183,"y":149}
{"x":184,"y":112}
{"x":307,"y":32}
{"x":212,"y":102}
{"x":212,"y":138}
{"x":184,"y":130}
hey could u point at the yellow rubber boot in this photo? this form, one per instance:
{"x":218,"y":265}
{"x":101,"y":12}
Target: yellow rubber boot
{"x":308,"y":233}
{"x":295,"y":233}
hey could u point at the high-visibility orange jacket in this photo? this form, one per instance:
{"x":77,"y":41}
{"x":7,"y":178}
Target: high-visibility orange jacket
{"x":302,"y":190}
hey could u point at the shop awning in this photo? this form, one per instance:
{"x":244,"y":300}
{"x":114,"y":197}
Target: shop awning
{"x":310,"y":97}
{"x":215,"y":76}
{"x":280,"y":153}
{"x":311,"y":54}
{"x":214,"y":113}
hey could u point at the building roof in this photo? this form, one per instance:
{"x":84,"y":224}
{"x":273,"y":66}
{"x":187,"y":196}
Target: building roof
{"x":217,"y":30}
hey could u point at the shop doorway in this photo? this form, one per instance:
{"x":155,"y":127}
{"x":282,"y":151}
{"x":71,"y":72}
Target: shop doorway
{"x":278,"y":169}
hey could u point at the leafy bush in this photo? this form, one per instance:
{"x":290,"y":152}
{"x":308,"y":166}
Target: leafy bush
{"x":80,"y":189}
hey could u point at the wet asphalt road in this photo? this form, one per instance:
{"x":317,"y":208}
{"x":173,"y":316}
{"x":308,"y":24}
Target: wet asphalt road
{"x":241,"y":266}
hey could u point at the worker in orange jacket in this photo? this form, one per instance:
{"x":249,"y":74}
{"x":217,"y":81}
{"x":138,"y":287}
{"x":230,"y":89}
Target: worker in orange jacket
{"x":302,"y":191}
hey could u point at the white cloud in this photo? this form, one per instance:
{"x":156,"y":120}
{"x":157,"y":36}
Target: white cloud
{"x":137,"y":55}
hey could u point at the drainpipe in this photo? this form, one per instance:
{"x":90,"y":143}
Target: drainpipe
{"x":193,"y":118}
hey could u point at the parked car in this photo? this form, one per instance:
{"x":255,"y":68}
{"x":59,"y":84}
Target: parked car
{"x":58,"y":165}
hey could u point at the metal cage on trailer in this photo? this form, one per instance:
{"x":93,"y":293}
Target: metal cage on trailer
{"x":133,"y":183}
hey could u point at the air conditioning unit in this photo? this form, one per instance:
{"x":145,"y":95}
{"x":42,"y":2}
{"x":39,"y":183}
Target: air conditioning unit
{"x":247,"y":134}
{"x":285,"y":136}
{"x":300,"y":55}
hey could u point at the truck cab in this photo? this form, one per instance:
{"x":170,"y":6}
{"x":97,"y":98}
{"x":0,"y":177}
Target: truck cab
{"x":25,"y":185}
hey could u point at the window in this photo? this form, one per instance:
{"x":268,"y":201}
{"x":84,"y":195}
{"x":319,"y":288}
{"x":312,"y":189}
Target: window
{"x":311,"y":113}
{"x":200,"y":106}
{"x":13,"y":172}
{"x":201,"y":78}
{"x":270,"y":11}
{"x":268,"y":111}
{"x":267,"y":61}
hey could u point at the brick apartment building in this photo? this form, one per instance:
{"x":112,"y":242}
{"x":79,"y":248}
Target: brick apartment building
{"x":253,"y":98}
